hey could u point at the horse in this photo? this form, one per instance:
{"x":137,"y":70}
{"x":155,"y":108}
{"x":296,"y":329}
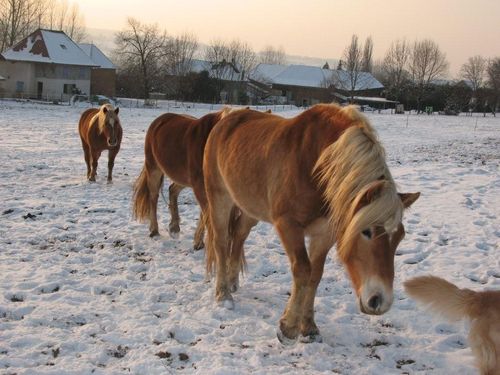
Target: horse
{"x":173,"y":147}
{"x":322,"y":175}
{"x":100,"y":130}
{"x":481,"y":308}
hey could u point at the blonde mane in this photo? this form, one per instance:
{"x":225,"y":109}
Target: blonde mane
{"x":347,"y":170}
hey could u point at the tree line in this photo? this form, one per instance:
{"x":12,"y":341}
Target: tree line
{"x":19,"y":18}
{"x":150,"y":60}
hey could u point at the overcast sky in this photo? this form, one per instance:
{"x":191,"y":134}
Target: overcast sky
{"x":316,"y":28}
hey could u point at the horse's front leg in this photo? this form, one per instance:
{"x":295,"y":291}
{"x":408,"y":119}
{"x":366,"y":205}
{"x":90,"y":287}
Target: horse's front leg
{"x":321,"y":242}
{"x":111,"y":161}
{"x":292,"y":237}
{"x":94,"y":157}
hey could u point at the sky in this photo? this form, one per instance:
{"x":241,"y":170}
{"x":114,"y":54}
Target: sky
{"x":316,"y":28}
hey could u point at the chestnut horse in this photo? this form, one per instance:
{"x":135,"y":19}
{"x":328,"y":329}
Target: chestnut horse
{"x":173,"y":147}
{"x":322,"y":175}
{"x":100,"y":130}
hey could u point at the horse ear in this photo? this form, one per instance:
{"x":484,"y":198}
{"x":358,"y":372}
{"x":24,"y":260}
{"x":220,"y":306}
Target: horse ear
{"x":408,"y":198}
{"x":104,"y":109}
{"x":372,"y":193}
{"x":117,"y":109}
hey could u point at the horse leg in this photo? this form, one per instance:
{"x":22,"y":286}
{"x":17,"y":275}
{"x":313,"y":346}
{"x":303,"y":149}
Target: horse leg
{"x":111,"y":162}
{"x":173,"y":194}
{"x":94,"y":157}
{"x":199,"y":192}
{"x":320,"y":243}
{"x":199,"y":233}
{"x":154,"y":182}
{"x":242,"y":226}
{"x":219,"y":213}
{"x":86,"y":153}
{"x":292,"y":237}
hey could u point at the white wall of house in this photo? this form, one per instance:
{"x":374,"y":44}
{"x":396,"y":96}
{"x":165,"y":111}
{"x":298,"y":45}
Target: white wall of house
{"x":24,"y":80}
{"x":20,"y":77}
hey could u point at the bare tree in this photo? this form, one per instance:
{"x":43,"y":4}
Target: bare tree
{"x":272,"y":55}
{"x":395,"y":66}
{"x":473,"y":71}
{"x":141,"y":45}
{"x":242,"y":56}
{"x":19,"y":18}
{"x":427,"y":63}
{"x":493,"y":72}
{"x":353,"y":61}
{"x":367,"y":64}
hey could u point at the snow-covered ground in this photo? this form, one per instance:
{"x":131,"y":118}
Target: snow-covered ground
{"x":83,"y":289}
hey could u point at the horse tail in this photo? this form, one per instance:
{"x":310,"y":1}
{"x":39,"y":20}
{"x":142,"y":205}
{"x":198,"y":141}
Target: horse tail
{"x":443,"y":297}
{"x":234,"y":217}
{"x":210,"y":256}
{"x":142,"y":195}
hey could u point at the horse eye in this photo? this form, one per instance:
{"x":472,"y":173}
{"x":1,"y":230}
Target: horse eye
{"x":367,"y":233}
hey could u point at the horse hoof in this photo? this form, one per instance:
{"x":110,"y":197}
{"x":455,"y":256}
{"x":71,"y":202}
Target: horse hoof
{"x":154,"y":233}
{"x":228,"y":304}
{"x":308,"y":339}
{"x":199,"y":245}
{"x":174,"y":235}
{"x":287,"y":341}
{"x":110,"y":182}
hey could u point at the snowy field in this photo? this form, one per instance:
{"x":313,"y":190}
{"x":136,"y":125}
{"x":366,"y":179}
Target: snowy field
{"x":84,"y":290}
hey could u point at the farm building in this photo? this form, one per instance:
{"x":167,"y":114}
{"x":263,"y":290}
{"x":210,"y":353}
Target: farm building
{"x":47,"y":65}
{"x":304,"y":85}
{"x":103,"y":75}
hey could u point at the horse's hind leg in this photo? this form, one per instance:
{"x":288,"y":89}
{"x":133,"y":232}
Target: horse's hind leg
{"x":154,"y":182}
{"x":199,"y":233}
{"x":219,"y":213}
{"x":241,"y":226}
{"x":173,"y":195}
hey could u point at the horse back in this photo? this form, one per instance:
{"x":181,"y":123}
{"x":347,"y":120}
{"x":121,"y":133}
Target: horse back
{"x":266,"y":162}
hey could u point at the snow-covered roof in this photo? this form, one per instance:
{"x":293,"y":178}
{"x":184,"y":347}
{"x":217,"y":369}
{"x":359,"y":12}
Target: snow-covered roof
{"x":96,"y":55}
{"x":312,"y":76}
{"x":2,"y":78}
{"x":48,"y":46}
{"x":341,"y":79}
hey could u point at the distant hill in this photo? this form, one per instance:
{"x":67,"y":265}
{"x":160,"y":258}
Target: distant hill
{"x":105,"y":40}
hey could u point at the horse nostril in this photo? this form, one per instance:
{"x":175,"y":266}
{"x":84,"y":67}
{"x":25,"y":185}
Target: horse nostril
{"x":374,"y":302}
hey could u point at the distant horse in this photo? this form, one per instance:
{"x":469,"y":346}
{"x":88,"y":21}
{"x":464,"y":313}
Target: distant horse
{"x":100,"y":130}
{"x":321,"y":174}
{"x":173,"y":147}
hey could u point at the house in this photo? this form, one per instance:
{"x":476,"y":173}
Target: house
{"x":305,"y":85}
{"x":46,"y":65}
{"x":103,"y":75}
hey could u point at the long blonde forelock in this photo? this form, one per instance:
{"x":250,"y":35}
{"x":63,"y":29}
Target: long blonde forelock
{"x":346,"y":169}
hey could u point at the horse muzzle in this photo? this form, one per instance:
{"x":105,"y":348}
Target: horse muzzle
{"x":375,"y":300}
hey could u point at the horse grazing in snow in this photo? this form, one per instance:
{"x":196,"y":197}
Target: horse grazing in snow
{"x":173,"y":147}
{"x":321,"y":174}
{"x":100,"y":130}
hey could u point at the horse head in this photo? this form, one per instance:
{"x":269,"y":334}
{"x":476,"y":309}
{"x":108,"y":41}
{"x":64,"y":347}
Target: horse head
{"x":372,"y":245}
{"x":109,"y":123}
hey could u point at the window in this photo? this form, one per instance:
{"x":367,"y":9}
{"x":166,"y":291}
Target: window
{"x":19,"y":86}
{"x":65,"y":71}
{"x":69,"y":88}
{"x":81,"y":73}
